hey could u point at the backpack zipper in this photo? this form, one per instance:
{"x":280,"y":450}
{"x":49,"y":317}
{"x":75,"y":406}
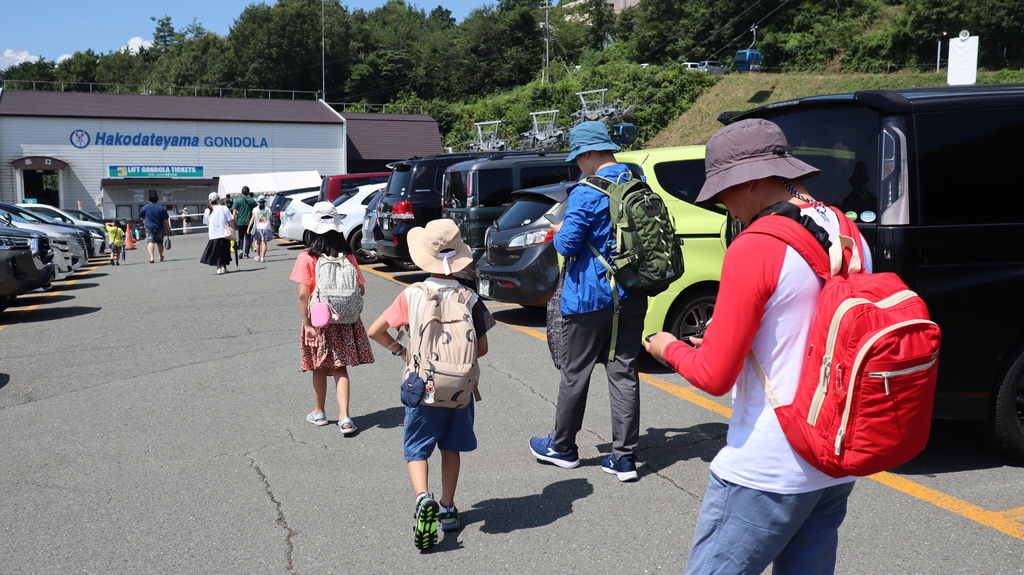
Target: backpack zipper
{"x":830,"y":344}
{"x":885,"y":375}
{"x":856,"y":367}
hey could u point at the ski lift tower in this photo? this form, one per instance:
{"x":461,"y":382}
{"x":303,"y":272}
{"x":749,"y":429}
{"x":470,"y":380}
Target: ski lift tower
{"x":544,"y":135}
{"x":594,"y":108}
{"x":487,"y":139}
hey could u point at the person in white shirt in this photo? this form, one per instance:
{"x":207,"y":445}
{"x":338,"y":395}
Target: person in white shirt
{"x":219,"y":219}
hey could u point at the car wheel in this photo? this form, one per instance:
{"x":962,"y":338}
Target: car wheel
{"x":356,"y":243}
{"x":690,"y":316}
{"x":402,"y":265}
{"x":1007,"y":421}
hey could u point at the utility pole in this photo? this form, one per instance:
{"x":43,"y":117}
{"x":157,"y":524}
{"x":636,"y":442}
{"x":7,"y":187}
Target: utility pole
{"x":323,"y":60}
{"x":546,"y":6}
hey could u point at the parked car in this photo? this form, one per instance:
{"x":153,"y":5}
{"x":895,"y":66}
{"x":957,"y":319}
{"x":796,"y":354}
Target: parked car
{"x":412,"y":198}
{"x":68,"y":244}
{"x":475,"y":192}
{"x":514,"y":269}
{"x":97,"y":231}
{"x":370,"y":227}
{"x":291,"y":217}
{"x":690,"y":65}
{"x":332,"y":187}
{"x":85,"y":216}
{"x":351,"y":209}
{"x":932,"y":177}
{"x":26,"y":262}
{"x":279,"y":203}
{"x":712,"y":67}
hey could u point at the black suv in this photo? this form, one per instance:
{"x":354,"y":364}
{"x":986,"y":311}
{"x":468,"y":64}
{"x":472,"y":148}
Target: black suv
{"x":931,"y":175}
{"x":475,"y":192}
{"x":412,"y":198}
{"x":26,"y":262}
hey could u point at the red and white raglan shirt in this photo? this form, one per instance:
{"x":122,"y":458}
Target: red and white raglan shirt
{"x":766,"y":302}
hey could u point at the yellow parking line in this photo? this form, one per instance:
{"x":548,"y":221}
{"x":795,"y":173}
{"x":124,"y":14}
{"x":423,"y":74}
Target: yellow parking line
{"x":47,"y":296}
{"x":1008,"y":522}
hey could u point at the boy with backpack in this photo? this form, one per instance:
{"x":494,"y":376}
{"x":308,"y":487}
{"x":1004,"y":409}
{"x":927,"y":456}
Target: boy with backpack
{"x":599,"y":316}
{"x":447,"y":326}
{"x":764,"y":503}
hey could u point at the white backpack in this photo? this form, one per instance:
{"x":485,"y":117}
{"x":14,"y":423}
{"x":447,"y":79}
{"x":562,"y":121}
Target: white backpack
{"x":337,"y":286}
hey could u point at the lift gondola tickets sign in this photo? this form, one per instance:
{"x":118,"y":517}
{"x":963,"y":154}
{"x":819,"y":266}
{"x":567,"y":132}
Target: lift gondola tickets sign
{"x":155,"y":171}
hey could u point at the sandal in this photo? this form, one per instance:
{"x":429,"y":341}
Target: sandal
{"x":347,"y":430}
{"x":317,"y":419}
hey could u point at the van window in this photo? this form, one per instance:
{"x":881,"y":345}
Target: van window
{"x":454,"y":189}
{"x":400,"y":182}
{"x":968,"y":171}
{"x":494,"y":187}
{"x":843,"y":144}
{"x":524,"y":211}
{"x":533,"y":176}
{"x":682,"y":178}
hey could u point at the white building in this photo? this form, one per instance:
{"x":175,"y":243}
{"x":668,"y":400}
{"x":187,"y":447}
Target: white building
{"x":107,"y":152}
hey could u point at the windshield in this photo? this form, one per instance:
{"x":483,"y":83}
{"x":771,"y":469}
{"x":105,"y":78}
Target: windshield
{"x":85,"y":216}
{"x":28,"y":217}
{"x":400,"y":182}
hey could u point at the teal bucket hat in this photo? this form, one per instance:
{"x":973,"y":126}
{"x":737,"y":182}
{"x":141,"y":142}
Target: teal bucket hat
{"x":589,"y":137}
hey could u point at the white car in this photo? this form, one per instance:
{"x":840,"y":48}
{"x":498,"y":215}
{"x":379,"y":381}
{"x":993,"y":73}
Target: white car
{"x":351,"y":209}
{"x":97,"y":231}
{"x":291,"y":218}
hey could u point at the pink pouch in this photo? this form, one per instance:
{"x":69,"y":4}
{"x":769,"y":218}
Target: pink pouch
{"x":320,"y":314}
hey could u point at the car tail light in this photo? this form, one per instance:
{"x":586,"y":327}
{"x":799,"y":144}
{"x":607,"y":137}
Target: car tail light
{"x":470,"y":184}
{"x":534,"y":238}
{"x":402,"y":211}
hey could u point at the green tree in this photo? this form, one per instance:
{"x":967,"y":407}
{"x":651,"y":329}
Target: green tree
{"x":30,"y":75}
{"x":78,"y":71}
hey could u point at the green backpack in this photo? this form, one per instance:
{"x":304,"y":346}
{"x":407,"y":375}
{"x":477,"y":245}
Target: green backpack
{"x":646,"y":257}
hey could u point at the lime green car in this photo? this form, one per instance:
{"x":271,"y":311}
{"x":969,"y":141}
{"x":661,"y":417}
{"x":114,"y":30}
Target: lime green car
{"x":677,"y":174}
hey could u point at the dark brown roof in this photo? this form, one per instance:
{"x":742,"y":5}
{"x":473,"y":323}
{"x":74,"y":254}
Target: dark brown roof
{"x":131,"y":106}
{"x":391,"y":136}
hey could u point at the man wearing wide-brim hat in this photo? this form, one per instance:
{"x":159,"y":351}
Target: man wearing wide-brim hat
{"x":587,"y":309}
{"x":764,"y":504}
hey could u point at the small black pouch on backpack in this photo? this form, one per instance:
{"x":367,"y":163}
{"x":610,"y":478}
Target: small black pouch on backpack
{"x":413,"y":388}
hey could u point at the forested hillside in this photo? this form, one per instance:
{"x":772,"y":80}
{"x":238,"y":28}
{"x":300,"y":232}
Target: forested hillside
{"x":492,"y":65}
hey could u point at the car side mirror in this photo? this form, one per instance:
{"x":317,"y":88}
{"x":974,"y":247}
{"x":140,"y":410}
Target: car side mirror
{"x":5,"y":218}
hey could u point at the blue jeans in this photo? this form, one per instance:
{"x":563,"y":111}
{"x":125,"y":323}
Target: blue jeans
{"x":742,"y":530}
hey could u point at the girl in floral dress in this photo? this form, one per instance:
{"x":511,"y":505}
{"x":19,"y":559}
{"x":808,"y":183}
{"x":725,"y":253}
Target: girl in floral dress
{"x":332,"y":349}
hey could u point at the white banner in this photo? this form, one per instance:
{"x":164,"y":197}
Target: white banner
{"x":963,"y":61}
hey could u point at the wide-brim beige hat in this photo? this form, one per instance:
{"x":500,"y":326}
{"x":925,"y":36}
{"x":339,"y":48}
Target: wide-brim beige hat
{"x":322,"y":219}
{"x":438,"y":248}
{"x":746,"y":151}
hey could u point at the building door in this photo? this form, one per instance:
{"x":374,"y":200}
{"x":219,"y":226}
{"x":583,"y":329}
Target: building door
{"x":40,"y":179}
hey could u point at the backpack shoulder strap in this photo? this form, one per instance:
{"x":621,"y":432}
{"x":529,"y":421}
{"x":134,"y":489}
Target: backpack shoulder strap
{"x":797,"y":236}
{"x":603,"y":184}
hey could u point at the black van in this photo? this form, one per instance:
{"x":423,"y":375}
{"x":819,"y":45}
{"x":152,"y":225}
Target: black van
{"x":474,"y":193}
{"x":931,"y":175}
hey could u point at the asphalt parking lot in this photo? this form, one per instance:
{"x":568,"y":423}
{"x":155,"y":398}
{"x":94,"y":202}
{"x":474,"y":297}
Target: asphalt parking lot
{"x":152,"y":421}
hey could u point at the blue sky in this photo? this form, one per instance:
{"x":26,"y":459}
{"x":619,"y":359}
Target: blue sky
{"x":53,"y":28}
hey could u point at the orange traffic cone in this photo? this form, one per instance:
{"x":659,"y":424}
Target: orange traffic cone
{"x":129,"y":243}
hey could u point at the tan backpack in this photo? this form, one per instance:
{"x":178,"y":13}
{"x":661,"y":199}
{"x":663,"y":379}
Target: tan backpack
{"x":443,"y":347}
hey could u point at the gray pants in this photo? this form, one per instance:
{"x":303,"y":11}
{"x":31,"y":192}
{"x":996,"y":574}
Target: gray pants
{"x":587,"y":339}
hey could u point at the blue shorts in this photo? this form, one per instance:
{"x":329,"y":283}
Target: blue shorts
{"x":154,"y":236}
{"x":448,"y":429}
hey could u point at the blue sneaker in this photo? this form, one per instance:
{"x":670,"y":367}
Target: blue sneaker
{"x":543,"y":449}
{"x":425,"y":530}
{"x":624,"y":468}
{"x":449,"y":519}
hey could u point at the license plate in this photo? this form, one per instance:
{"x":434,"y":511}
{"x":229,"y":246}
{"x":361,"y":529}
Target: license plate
{"x":385,"y":224}
{"x":485,"y":288}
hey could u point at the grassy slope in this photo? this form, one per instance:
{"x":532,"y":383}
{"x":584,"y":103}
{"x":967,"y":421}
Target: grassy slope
{"x":745,"y":91}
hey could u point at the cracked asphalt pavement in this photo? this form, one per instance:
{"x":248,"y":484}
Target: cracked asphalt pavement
{"x":152,"y":421}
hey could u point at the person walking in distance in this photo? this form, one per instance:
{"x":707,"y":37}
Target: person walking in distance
{"x":587,"y":310}
{"x":242,"y":210}
{"x":186,"y":221}
{"x":158,"y":224}
{"x":764,"y":504}
{"x":218,"y":218}
{"x":259,"y":228}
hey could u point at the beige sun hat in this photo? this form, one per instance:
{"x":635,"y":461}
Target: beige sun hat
{"x":438,"y":248}
{"x":746,"y":151}
{"x":322,"y":219}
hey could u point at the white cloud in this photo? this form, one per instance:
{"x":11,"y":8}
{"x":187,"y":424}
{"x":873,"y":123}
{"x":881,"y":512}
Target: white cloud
{"x":12,"y":58}
{"x":135,"y":44}
{"x":62,"y":57}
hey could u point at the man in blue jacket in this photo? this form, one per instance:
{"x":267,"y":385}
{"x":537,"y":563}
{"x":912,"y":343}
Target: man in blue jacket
{"x":588,"y":309}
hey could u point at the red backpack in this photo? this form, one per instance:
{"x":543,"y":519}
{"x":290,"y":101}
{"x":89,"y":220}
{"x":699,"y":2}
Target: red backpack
{"x":867,"y":385}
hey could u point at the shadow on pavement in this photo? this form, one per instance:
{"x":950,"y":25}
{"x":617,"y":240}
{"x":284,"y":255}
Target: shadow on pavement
{"x":535,"y":510}
{"x":661,"y":448}
{"x":50,"y":313}
{"x":29,"y":300}
{"x":4,"y":379}
{"x":389,"y":418}
{"x":522,"y":316}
